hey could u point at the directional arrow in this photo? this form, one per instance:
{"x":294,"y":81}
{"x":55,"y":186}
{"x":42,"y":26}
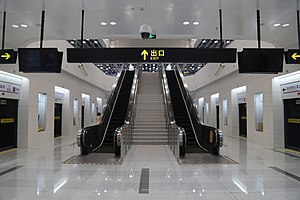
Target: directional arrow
{"x":145,"y":54}
{"x":6,"y":56}
{"x":295,"y":56}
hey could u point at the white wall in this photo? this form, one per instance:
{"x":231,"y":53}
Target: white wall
{"x":95,"y":76}
{"x":96,"y":84}
{"x":254,"y":85}
{"x":207,"y":74}
{"x":206,"y":82}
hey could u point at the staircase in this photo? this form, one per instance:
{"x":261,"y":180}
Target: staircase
{"x":150,"y":119}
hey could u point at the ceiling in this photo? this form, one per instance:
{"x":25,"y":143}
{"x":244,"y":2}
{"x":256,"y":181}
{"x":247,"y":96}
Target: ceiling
{"x":63,"y":19}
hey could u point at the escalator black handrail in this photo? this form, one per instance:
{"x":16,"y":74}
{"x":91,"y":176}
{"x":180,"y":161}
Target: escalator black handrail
{"x":92,"y":133}
{"x":183,"y":94}
{"x":210,"y":137}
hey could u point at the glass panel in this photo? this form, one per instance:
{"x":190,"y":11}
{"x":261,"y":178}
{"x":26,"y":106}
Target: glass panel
{"x":206,"y":112}
{"x":93,"y":112}
{"x":75,"y":112}
{"x":42,"y":99}
{"x":258,"y":105}
{"x":225,"y":112}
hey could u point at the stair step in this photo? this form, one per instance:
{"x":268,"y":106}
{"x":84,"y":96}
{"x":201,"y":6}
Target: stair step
{"x":149,"y":127}
{"x":150,"y":143}
{"x":150,"y":119}
{"x":150,"y":138}
{"x":156,"y":134}
{"x":161,"y":130}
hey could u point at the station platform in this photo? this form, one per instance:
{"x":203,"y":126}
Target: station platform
{"x":247,"y":171}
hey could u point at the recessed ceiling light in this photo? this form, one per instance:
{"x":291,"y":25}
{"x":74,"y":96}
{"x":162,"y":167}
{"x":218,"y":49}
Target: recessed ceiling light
{"x":113,"y":23}
{"x":276,"y":25}
{"x":103,"y":23}
{"x":24,"y":25}
{"x":186,"y":23}
{"x":196,"y":23}
{"x":285,"y":25}
{"x":15,"y":26}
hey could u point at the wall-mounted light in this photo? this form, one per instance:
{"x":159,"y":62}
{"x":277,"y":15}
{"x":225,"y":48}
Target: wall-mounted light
{"x":82,"y":70}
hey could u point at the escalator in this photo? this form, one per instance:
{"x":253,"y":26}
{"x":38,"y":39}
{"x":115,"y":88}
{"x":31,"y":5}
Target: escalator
{"x":181,"y":114}
{"x":100,"y":138}
{"x":118,"y":115}
{"x":199,"y":138}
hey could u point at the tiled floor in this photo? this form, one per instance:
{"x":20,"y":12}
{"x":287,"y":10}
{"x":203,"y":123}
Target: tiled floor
{"x":41,"y":174}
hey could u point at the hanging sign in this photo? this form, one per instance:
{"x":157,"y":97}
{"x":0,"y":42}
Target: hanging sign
{"x":120,"y":55}
{"x":292,"y":56}
{"x":8,"y":56}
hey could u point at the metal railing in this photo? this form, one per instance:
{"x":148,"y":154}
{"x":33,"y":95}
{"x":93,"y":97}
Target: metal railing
{"x":176,"y":134}
{"x":123,"y":135}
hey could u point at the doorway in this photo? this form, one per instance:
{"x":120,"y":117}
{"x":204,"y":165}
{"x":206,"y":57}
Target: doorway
{"x":82,"y":117}
{"x":57,"y":120}
{"x":292,"y":124}
{"x":8,"y":123}
{"x":218,"y":116}
{"x":243,"y":119}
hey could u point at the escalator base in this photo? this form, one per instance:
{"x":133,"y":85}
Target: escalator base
{"x":194,"y":149}
{"x":95,"y":159}
{"x":205,"y":159}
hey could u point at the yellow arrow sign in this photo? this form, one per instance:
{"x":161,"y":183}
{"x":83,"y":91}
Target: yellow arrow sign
{"x":145,"y":54}
{"x":6,"y":56}
{"x":295,"y":56}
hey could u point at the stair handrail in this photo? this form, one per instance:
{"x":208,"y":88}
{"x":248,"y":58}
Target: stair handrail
{"x":123,"y":134}
{"x":176,"y":134}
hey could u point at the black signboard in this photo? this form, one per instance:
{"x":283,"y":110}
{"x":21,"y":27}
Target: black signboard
{"x":8,"y":56}
{"x":121,"y":55}
{"x":265,"y":61}
{"x":40,"y":60}
{"x":292,"y":56}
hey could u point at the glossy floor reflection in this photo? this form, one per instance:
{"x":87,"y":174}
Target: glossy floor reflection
{"x":38,"y":173}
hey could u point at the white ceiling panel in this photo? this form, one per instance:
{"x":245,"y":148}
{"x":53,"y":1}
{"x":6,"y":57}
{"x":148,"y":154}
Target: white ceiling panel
{"x":63,"y":19}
